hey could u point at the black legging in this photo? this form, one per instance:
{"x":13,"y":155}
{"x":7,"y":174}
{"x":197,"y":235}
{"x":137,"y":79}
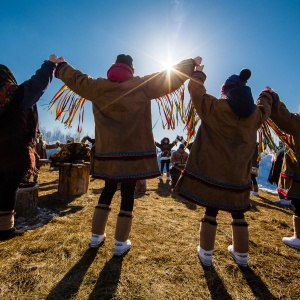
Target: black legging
{"x":127,"y":194}
{"x":253,"y":179}
{"x":212,"y":212}
{"x":162,"y":165}
{"x":297,"y":207}
{"x":9,"y":184}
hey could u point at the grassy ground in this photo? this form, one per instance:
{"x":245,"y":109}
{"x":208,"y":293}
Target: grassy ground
{"x":54,"y":261}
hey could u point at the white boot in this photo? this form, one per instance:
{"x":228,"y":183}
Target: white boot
{"x":205,"y":256}
{"x":121,"y":247}
{"x":240,"y":258}
{"x":123,"y":228}
{"x":99,"y":221}
{"x":240,"y":242}
{"x":292,"y":242}
{"x":283,"y":202}
{"x":97,"y":240}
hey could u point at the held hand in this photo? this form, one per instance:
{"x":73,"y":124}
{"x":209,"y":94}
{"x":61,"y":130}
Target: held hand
{"x":55,"y":59}
{"x":198,"y":60}
{"x":269,"y":89}
{"x":199,"y":68}
{"x":61,"y":59}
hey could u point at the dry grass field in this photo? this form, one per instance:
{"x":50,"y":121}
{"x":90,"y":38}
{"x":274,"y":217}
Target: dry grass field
{"x":53,"y":260}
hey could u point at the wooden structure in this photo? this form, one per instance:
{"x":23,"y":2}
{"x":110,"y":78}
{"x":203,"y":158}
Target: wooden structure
{"x":141,"y":186}
{"x":74,"y":179}
{"x":27,"y":199}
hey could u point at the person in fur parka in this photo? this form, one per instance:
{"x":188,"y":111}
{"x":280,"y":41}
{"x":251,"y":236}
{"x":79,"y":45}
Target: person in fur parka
{"x":124,"y":146}
{"x":217,"y":174}
{"x":289,"y":180}
{"x":165,"y":157}
{"x":18,"y":125}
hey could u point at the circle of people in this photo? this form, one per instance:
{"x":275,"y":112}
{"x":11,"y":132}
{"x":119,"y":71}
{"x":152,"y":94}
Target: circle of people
{"x":217,"y":171}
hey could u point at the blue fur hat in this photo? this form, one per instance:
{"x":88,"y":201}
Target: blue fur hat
{"x":235,"y":81}
{"x":238,"y":95}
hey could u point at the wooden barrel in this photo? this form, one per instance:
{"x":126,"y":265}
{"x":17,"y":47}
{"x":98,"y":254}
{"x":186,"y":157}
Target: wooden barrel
{"x":27,"y":200}
{"x":74,"y":179}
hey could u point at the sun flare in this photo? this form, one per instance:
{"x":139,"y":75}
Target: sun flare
{"x":168,"y":65}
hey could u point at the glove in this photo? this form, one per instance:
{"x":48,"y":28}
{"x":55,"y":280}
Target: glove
{"x":59,"y":67}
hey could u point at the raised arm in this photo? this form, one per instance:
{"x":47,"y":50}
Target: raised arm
{"x":202,"y":101}
{"x":36,"y":86}
{"x":281,"y":116}
{"x":82,"y":84}
{"x":158,"y":145}
{"x":165,"y":82}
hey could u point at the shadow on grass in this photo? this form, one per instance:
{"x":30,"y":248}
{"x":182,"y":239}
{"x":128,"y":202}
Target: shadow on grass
{"x":97,"y":190}
{"x":43,"y":184}
{"x":58,"y":202}
{"x":108,"y":280}
{"x":215,"y":284}
{"x":50,"y":206}
{"x":48,"y":186}
{"x":271,"y":205}
{"x":71,"y":282}
{"x":163,"y":188}
{"x":188,"y":204}
{"x":257,"y":286}
{"x":138,"y":195}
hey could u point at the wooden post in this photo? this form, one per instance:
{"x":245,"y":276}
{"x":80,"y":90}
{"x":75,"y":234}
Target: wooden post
{"x":74,"y":179}
{"x":141,"y":186}
{"x":27,"y":199}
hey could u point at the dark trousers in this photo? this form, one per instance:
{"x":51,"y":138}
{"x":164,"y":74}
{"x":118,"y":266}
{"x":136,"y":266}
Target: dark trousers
{"x":297,"y":207}
{"x":162,"y":165}
{"x":175,"y":174}
{"x":127,"y":194}
{"x":253,"y":179}
{"x":9,"y":184}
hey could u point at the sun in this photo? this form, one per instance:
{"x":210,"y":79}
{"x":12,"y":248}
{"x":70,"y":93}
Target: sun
{"x":168,"y":64}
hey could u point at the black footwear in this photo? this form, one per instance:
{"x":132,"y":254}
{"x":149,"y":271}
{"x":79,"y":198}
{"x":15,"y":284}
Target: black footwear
{"x":10,"y":233}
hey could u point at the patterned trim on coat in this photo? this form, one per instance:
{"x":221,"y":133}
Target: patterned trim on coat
{"x":282,"y":191}
{"x":201,"y":202}
{"x":287,"y":195}
{"x":125,"y":177}
{"x":125,"y":155}
{"x":285,"y":175}
{"x":217,"y":184}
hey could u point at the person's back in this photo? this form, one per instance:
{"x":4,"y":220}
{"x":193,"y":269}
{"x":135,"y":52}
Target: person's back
{"x":122,"y":113}
{"x":217,"y":174}
{"x":124,"y":146}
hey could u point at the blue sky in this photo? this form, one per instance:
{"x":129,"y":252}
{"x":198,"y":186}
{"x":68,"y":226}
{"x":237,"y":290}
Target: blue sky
{"x":229,"y":35}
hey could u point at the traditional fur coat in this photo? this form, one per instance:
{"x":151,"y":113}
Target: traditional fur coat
{"x":124,"y":144}
{"x":218,"y":170}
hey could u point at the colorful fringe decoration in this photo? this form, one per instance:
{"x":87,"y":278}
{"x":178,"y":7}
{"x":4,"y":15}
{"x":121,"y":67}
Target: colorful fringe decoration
{"x":265,"y":137}
{"x":175,"y":112}
{"x":68,"y":104}
{"x":173,"y":109}
{"x":192,"y":121}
